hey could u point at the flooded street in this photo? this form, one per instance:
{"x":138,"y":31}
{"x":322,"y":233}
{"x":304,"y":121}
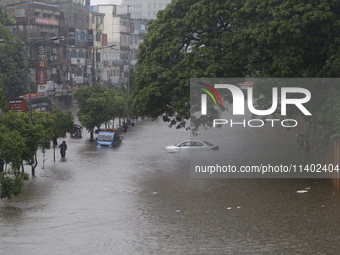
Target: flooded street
{"x":139,"y":199}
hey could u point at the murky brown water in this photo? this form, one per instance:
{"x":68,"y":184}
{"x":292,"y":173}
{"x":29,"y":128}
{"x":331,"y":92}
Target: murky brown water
{"x":139,"y":199}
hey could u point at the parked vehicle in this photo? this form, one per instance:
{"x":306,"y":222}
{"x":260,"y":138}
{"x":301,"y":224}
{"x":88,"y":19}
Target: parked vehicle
{"x":109,"y":137}
{"x":77,"y":132}
{"x":192,"y":145}
{"x":123,"y":128}
{"x":37,"y":101}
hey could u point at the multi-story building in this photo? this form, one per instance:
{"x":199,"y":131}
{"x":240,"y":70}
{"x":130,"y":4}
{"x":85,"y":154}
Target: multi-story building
{"x":65,"y":65}
{"x":126,"y":34}
{"x":100,"y":43}
{"x":146,"y":9}
{"x":96,"y":27}
{"x":9,"y":2}
{"x":37,"y":24}
{"x":74,"y":26}
{"x":111,"y":57}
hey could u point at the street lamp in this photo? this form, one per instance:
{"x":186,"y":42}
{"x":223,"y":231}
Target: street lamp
{"x":94,"y":59}
{"x":28,"y":52}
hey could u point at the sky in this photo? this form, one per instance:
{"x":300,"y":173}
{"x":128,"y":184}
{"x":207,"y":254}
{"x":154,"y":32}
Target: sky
{"x":96,"y":2}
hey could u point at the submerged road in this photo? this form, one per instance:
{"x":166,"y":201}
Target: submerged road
{"x":139,"y":199}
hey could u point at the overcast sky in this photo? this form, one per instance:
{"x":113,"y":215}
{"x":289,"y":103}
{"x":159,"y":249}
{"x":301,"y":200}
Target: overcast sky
{"x":96,"y":2}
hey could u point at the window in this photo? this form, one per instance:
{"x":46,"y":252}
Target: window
{"x":74,"y":53}
{"x":125,"y":56}
{"x":185,"y":144}
{"x":82,"y":36}
{"x":125,"y":40}
{"x":19,"y":12}
{"x":98,"y":35}
{"x":81,"y":54}
{"x":93,"y":19}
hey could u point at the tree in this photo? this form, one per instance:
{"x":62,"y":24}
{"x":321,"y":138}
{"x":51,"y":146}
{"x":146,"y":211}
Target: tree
{"x":97,"y":105}
{"x":247,"y":38}
{"x":11,"y":147}
{"x":36,"y":134}
{"x":19,"y":141}
{"x":3,"y":103}
{"x":13,"y":63}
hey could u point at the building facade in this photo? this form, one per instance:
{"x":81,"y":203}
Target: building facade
{"x":72,"y":44}
{"x":125,"y":33}
{"x":37,"y":24}
{"x":146,"y":9}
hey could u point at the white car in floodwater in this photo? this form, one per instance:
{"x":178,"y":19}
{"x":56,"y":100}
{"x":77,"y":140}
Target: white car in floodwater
{"x":192,"y":145}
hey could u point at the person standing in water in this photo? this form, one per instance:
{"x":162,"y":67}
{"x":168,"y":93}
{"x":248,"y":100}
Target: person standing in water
{"x":63,"y":148}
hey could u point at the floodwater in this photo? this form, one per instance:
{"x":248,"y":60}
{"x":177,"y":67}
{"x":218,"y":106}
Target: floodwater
{"x":139,"y":199}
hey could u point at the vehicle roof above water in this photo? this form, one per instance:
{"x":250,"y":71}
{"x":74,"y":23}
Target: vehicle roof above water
{"x":205,"y":142}
{"x":109,"y":130}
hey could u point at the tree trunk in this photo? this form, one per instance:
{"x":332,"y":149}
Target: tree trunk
{"x":35,"y":164}
{"x":54,"y":152}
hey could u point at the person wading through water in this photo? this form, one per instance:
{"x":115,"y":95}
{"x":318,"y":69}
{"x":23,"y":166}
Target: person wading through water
{"x":63,"y":148}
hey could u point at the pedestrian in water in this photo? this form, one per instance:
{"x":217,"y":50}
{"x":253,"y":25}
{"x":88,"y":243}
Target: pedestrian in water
{"x":63,"y":148}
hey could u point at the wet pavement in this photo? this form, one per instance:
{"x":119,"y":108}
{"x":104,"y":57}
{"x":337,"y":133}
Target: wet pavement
{"x":139,"y":199}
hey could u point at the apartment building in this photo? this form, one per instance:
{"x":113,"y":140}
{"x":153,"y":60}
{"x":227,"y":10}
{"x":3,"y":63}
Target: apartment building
{"x":100,"y":43}
{"x":146,"y":9}
{"x":125,"y":33}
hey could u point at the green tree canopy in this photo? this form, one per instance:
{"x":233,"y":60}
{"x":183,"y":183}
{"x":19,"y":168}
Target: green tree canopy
{"x":247,"y":38}
{"x":13,"y":63}
{"x":98,"y":105}
{"x":20,"y":139}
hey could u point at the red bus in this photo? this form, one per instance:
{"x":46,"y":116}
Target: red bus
{"x":39,"y":102}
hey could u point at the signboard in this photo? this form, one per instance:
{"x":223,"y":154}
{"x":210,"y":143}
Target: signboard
{"x":46,"y":21}
{"x":78,"y":79}
{"x":42,"y":76}
{"x":124,"y":29}
{"x":71,"y":36}
{"x":42,"y":63}
{"x":47,"y":87}
{"x":104,"y":39}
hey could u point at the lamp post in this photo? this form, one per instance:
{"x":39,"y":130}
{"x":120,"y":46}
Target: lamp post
{"x":28,"y":52}
{"x":95,"y":60}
